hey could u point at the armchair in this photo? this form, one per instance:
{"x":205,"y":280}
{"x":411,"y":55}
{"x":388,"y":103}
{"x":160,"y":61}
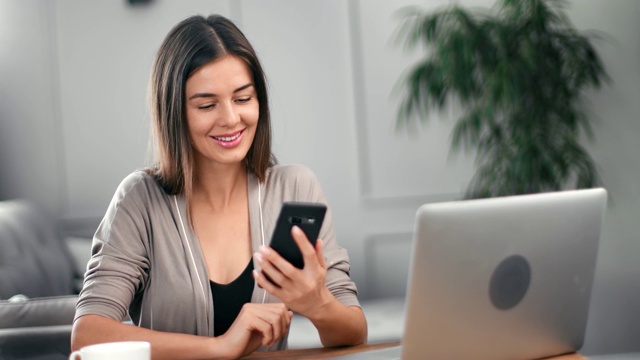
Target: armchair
{"x":38,"y":282}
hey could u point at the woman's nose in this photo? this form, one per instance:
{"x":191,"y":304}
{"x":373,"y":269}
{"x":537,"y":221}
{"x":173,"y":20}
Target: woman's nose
{"x":228,"y":115}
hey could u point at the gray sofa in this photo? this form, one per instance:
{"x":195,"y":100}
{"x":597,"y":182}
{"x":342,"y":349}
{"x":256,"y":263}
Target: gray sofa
{"x":38,"y":284}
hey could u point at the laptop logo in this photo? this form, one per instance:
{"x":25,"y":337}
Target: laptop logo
{"x":510,"y":282}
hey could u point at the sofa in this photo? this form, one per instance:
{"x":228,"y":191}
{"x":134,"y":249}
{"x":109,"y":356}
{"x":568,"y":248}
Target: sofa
{"x":39,"y":283}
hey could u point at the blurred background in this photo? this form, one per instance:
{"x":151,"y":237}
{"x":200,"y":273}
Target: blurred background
{"x":74,"y":122}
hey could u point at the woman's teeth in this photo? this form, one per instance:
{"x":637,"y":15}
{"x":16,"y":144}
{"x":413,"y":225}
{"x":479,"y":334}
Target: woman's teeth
{"x":227,"y":138}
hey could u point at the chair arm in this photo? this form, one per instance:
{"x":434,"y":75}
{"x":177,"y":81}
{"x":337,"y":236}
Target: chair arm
{"x":43,"y":342}
{"x":37,"y":312}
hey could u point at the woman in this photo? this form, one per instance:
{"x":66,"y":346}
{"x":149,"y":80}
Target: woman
{"x":183,"y":248}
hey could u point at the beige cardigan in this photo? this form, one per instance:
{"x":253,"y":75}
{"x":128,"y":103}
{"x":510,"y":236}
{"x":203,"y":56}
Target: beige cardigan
{"x":147,"y":262}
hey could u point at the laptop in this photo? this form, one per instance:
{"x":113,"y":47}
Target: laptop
{"x":503,"y":278}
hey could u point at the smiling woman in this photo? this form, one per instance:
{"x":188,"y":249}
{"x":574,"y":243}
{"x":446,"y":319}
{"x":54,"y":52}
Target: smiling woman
{"x":182,"y":247}
{"x":222,"y":112}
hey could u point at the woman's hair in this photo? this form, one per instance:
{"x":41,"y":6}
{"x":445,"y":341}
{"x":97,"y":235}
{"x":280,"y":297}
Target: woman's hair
{"x":191,"y":44}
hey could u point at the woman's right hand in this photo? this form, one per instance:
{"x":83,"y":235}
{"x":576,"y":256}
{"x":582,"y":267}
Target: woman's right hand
{"x":256,"y":325}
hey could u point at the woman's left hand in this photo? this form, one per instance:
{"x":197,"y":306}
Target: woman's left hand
{"x":302,"y":290}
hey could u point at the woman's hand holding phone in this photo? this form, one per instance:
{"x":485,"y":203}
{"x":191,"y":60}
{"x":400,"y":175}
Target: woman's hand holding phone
{"x":302,"y":290}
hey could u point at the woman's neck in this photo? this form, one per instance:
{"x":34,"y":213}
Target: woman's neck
{"x":220,"y":187}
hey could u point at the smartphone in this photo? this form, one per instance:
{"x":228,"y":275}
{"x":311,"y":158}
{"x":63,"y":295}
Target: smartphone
{"x":308,"y":217}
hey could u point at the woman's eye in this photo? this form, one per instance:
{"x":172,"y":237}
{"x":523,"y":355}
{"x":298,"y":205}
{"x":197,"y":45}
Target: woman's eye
{"x":243,"y":100}
{"x":206,"y":106}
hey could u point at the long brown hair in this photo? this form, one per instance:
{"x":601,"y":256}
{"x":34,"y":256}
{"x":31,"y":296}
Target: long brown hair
{"x":191,"y":44}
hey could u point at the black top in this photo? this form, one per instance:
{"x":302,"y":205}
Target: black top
{"x":228,"y":299}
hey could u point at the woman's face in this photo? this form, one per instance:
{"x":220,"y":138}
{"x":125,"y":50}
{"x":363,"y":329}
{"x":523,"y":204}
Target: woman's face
{"x":222,"y":111}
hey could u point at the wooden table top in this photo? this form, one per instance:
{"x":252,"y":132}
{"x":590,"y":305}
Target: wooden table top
{"x":327,"y":353}
{"x":318,"y":353}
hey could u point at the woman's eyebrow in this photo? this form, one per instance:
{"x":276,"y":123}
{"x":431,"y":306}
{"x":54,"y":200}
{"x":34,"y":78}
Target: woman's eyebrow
{"x":207,"y":95}
{"x":242,"y":87}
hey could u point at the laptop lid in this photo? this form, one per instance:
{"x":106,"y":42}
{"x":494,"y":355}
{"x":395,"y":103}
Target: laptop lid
{"x":502,"y":278}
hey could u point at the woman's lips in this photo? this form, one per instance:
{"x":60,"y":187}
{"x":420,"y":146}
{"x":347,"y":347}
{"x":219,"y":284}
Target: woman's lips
{"x":229,"y":140}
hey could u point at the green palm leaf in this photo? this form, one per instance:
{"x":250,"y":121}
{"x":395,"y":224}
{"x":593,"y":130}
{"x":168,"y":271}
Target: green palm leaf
{"x":519,"y":74}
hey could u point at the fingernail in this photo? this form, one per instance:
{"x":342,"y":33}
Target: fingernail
{"x":296,"y":229}
{"x":255,"y":274}
{"x":265,"y":250}
{"x":259,"y":258}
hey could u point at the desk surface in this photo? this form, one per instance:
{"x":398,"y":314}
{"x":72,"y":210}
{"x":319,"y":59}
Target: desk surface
{"x":328,"y":353}
{"x":318,"y":353}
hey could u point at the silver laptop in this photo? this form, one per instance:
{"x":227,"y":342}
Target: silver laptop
{"x":502,"y":279}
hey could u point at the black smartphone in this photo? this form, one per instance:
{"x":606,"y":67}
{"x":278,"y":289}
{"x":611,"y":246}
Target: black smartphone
{"x":308,"y":217}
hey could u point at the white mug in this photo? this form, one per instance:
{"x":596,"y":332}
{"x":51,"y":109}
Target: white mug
{"x":121,"y":350}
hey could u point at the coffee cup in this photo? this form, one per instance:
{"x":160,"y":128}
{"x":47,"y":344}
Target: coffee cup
{"x":121,"y":350}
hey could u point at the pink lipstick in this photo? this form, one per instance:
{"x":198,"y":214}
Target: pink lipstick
{"x":229,"y":140}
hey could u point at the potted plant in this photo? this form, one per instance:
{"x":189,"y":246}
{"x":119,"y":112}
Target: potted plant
{"x":519,"y":74}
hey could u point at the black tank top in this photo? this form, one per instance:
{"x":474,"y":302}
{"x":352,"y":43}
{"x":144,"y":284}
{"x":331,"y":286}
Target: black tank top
{"x":228,"y":299}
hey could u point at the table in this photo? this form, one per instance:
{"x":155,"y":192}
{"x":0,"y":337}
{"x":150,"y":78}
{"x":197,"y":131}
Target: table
{"x":328,"y":353}
{"x":318,"y":353}
{"x":616,"y":356}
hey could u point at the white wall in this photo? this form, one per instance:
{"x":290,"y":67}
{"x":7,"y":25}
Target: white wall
{"x":73,"y":119}
{"x":105,"y":51}
{"x":614,"y":323}
{"x":407,"y":162}
{"x":30,"y":156}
